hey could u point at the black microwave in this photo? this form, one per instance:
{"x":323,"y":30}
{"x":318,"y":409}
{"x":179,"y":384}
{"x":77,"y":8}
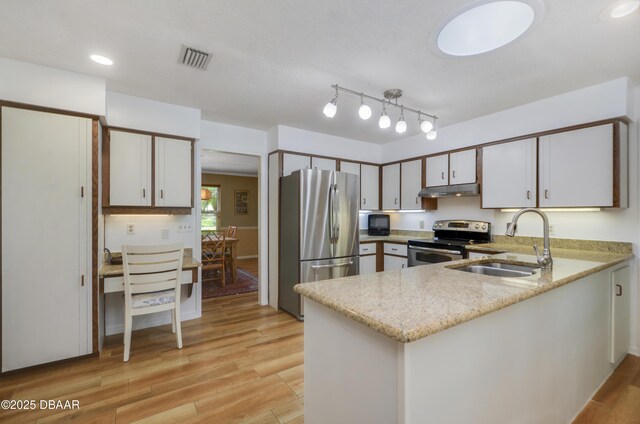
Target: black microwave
{"x":378,"y":225}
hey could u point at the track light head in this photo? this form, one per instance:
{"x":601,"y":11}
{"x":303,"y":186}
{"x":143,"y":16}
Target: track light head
{"x":331,"y":108}
{"x":384,"y":121}
{"x":365,"y":110}
{"x":401,"y":125}
{"x":432,"y":135}
{"x":426,"y":126}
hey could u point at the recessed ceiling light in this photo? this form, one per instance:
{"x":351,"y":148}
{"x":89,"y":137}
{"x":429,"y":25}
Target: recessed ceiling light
{"x":101,"y":59}
{"x":484,"y":26}
{"x":624,"y":8}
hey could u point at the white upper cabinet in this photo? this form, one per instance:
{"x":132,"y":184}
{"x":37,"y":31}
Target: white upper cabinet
{"x":411,"y":184}
{"x":173,"y":172}
{"x":391,"y":186}
{"x":509,"y":175}
{"x":369,"y":187}
{"x":462,"y":167}
{"x":437,"y":171}
{"x":323,"y":164}
{"x":350,"y":167}
{"x":129,"y":169}
{"x":292,"y":163}
{"x":576,"y":168}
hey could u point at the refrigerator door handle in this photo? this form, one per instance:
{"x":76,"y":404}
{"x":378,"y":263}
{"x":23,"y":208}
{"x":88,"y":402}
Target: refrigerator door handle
{"x":332,"y":265}
{"x":332,"y":201}
{"x":337,"y":212}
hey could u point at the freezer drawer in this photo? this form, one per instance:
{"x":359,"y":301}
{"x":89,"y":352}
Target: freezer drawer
{"x":327,"y":269}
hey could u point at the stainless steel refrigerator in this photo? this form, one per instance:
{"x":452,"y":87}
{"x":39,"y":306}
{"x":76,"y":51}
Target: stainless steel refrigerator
{"x":318,"y":231}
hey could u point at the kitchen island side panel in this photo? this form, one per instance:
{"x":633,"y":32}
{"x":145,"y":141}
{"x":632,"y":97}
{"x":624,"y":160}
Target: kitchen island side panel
{"x":350,"y":371}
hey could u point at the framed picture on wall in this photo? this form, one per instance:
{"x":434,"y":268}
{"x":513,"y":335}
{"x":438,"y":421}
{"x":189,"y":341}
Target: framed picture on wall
{"x":241,"y":202}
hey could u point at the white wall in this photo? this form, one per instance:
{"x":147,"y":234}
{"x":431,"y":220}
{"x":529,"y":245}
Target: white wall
{"x":310,"y":142}
{"x":234,"y":139}
{"x":49,"y":87}
{"x":149,"y":115}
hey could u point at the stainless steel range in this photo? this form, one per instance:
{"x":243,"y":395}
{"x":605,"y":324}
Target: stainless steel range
{"x":449,"y":242}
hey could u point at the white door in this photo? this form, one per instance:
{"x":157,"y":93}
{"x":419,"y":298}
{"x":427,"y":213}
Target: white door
{"x":45,"y":248}
{"x":509,"y":174}
{"x":369,"y":187}
{"x":620,"y":305}
{"x":411,"y":184}
{"x":437,"y":171}
{"x":367,"y":264}
{"x":292,"y":163}
{"x":391,"y":186}
{"x":323,"y":164}
{"x":129,"y":169}
{"x":462,"y":167}
{"x":576,"y":168}
{"x":394,"y":262}
{"x":173,"y":172}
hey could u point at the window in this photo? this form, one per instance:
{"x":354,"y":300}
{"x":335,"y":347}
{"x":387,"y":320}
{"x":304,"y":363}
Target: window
{"x":210,"y":219}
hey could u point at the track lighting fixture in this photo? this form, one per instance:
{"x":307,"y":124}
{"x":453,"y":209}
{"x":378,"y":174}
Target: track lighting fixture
{"x":365,"y":110}
{"x":331,"y":108}
{"x":427,"y":126}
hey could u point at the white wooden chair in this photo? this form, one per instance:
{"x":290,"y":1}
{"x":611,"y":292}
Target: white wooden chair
{"x":152,"y":277}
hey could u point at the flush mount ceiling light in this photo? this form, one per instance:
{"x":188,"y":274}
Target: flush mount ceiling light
{"x":103,"y":60}
{"x":484,"y":26}
{"x":620,"y":9}
{"x":384,"y":122}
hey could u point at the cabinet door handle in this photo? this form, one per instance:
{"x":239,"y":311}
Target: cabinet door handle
{"x":402,"y":265}
{"x":454,"y":174}
{"x":417,"y":200}
{"x":394,"y":249}
{"x":365,"y":250}
{"x":395,"y":201}
{"x":162,"y":194}
{"x":528,"y":194}
{"x":82,"y":191}
{"x":618,"y":290}
{"x":364,"y":200}
{"x":546,"y":194}
{"x":144,"y":193}
{"x":442,"y":176}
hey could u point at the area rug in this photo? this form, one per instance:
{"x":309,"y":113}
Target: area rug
{"x":245,"y":283}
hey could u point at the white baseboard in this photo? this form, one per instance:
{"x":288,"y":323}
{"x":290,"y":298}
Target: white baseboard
{"x":248,"y":257}
{"x":159,"y":319}
{"x":634,"y":351}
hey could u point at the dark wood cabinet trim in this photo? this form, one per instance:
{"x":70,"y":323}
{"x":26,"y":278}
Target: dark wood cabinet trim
{"x":616,"y":164}
{"x":151,"y":133}
{"x":145,"y":210}
{"x":18,"y":105}
{"x":95,"y":188}
{"x":312,"y":155}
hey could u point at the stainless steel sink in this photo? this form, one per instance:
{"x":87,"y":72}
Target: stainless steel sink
{"x":499,"y":269}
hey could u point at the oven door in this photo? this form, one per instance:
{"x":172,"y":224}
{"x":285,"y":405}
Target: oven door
{"x":426,"y":255}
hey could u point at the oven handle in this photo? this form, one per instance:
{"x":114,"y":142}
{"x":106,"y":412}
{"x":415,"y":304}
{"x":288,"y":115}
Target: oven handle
{"x":427,"y":249}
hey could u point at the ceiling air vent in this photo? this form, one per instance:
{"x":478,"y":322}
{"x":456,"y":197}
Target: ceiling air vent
{"x":194,"y":58}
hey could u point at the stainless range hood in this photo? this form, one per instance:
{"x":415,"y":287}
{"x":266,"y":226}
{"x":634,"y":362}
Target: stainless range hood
{"x":458,"y":190}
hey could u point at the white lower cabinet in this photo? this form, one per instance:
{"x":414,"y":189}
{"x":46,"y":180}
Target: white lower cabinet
{"x":46,"y":218}
{"x":620,"y":309}
{"x":477,"y":255}
{"x":394,"y":262}
{"x":367,"y":264}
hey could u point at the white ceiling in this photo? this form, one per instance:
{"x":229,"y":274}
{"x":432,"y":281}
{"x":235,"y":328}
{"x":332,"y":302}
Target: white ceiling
{"x":215,"y":162}
{"x":274,"y":61}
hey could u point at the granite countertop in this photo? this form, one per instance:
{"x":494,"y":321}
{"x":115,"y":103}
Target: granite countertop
{"x":396,"y":236}
{"x":409,"y":304}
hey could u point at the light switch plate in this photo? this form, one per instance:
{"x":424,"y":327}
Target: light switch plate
{"x":184,"y":228}
{"x":164,"y":233}
{"x":421,"y":223}
{"x":131,"y":229}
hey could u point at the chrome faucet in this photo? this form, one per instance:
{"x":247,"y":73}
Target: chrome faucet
{"x":545,"y":261}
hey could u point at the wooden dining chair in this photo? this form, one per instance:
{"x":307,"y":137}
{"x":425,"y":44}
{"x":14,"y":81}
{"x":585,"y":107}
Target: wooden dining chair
{"x":152,"y":278}
{"x":232,"y":232}
{"x":213,"y":255}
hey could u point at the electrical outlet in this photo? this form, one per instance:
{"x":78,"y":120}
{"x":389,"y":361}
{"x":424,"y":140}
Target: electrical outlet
{"x":184,"y":228}
{"x":421,"y":224}
{"x":131,"y":229}
{"x":551,"y":229}
{"x":164,"y":233}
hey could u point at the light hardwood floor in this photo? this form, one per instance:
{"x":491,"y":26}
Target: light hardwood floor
{"x":241,"y":362}
{"x":249,"y":265}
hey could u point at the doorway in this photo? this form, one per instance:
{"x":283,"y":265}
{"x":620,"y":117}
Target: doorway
{"x":229,"y":222}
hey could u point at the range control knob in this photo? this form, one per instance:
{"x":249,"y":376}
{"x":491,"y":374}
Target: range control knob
{"x":484,"y":226}
{"x":477,"y":226}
